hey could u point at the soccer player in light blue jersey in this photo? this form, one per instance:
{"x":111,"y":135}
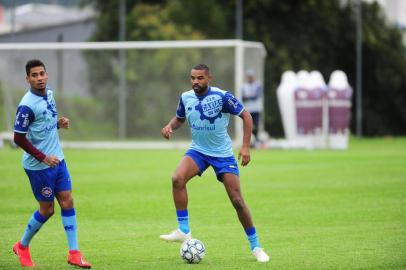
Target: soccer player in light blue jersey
{"x":207,"y":110}
{"x":36,"y":132}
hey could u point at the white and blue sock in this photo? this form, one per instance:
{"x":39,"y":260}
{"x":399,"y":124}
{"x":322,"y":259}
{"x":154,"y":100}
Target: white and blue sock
{"x":252,"y":237}
{"x":71,"y":227}
{"x":34,"y":224}
{"x":183,"y":220}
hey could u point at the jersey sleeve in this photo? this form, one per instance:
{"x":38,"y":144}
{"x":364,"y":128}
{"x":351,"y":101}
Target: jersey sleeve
{"x":180,"y":112}
{"x":21,"y":140}
{"x":24,"y":117}
{"x":232,"y":105}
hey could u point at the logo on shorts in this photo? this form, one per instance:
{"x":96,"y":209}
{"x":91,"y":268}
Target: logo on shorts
{"x":46,"y":192}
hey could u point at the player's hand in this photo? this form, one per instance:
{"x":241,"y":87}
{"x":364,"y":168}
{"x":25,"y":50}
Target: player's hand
{"x":244,"y":156}
{"x":167,"y":132}
{"x":63,"y":122}
{"x":51,"y":161}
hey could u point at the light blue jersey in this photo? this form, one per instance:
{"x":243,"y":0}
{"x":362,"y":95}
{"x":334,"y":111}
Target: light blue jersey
{"x":37,"y":117}
{"x":208,"y":117}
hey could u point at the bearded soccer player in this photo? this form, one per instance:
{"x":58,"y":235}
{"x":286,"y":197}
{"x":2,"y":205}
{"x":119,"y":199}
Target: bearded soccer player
{"x":207,"y":110}
{"x":36,"y":132}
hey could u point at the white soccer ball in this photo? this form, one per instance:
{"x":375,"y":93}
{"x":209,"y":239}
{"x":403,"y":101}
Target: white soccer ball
{"x":192,"y":251}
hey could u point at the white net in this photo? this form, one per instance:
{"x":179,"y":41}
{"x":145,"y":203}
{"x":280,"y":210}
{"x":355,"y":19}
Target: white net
{"x":123,"y":90}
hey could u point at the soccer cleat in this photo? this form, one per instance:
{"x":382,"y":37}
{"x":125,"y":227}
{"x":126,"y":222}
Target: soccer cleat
{"x":260,"y":254}
{"x":76,"y":258}
{"x":176,"y":236}
{"x":23,"y":254}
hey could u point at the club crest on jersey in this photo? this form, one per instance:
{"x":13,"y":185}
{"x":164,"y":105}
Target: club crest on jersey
{"x":46,"y":192}
{"x":210,"y":107}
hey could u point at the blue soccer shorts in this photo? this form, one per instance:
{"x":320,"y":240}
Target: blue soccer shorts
{"x":45,"y":183}
{"x":220,"y":165}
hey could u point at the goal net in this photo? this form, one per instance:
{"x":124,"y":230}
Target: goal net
{"x":118,"y":93}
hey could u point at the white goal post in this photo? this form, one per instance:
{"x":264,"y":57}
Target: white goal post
{"x":110,"y":84}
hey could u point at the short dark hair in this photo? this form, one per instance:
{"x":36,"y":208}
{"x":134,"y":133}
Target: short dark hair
{"x":202,"y":67}
{"x":33,"y":63}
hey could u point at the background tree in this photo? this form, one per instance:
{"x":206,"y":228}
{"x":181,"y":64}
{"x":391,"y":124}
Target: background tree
{"x":148,"y":70}
{"x":305,"y":34}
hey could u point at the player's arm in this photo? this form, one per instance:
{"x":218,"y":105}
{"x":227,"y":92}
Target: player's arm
{"x":173,"y":124}
{"x":244,"y":153}
{"x":24,"y":117}
{"x":233,"y":106}
{"x":176,"y":122}
{"x":21,"y":140}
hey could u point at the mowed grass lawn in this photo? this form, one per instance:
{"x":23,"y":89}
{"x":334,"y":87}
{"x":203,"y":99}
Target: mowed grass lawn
{"x":312,"y":209}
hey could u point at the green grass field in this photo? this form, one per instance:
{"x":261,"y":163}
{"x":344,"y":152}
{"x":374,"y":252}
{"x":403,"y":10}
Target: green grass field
{"x":312,"y":210}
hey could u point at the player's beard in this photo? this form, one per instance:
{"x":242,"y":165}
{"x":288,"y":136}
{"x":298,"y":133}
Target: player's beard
{"x":40,"y":87}
{"x":199,"y":89}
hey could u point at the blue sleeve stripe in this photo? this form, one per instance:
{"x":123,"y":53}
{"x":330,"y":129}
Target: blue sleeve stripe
{"x":181,"y":109}
{"x":28,"y":110}
{"x":24,"y":117}
{"x":243,"y":108}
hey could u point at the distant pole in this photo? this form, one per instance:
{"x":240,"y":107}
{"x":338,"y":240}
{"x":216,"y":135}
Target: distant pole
{"x":239,"y":60}
{"x":13,"y":19}
{"x":8,"y":105}
{"x":359,"y":68}
{"x":239,"y":19}
{"x":59,"y":61}
{"x":59,"y":75}
{"x":122,"y":94}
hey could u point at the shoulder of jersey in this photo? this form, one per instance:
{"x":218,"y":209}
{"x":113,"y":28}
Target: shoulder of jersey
{"x":216,"y":89}
{"x":49,"y":90}
{"x":27,"y":98}
{"x":191,"y":93}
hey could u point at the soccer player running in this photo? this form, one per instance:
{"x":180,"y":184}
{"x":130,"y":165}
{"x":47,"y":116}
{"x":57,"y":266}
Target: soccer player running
{"x":207,"y":110}
{"x":36,"y":132}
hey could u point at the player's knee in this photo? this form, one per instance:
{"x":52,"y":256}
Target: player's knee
{"x":178,"y":182}
{"x":67,"y":203}
{"x":47,"y":211}
{"x":51,"y":212}
{"x":238,"y":203}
